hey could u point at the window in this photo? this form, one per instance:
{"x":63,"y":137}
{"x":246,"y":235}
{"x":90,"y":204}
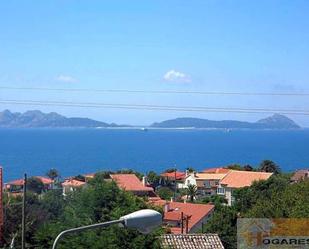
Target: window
{"x":188,"y":182}
{"x":232,"y":200}
{"x":220,"y":191}
{"x":207,"y":184}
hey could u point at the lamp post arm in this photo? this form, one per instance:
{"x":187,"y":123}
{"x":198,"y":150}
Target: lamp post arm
{"x":83,"y":228}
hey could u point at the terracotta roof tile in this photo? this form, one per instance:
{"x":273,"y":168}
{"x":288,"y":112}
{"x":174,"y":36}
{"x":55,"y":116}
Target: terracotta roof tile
{"x":190,"y":241}
{"x":44,"y":180}
{"x":210,"y":176}
{"x":130,"y":182}
{"x":73,"y":183}
{"x":20,"y":182}
{"x":300,"y":175}
{"x":196,"y":212}
{"x":156,"y":201}
{"x":240,"y":179}
{"x":171,"y":175}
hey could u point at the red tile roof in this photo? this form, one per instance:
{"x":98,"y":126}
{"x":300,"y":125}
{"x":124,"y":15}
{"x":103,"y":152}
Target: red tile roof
{"x":156,"y":201}
{"x":130,"y":182}
{"x":20,"y":182}
{"x":219,"y":170}
{"x":195,"y":212}
{"x":209,"y":176}
{"x":45,"y":180}
{"x":240,"y":179}
{"x":300,"y":175}
{"x":73,"y":183}
{"x":171,"y":175}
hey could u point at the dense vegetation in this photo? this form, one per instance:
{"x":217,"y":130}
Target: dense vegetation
{"x":274,"y":198}
{"x":50,"y":213}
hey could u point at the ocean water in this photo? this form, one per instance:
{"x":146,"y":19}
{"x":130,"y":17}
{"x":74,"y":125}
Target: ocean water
{"x":76,"y":151}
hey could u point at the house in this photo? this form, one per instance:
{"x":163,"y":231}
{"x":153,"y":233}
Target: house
{"x":206,"y":183}
{"x":16,"y":186}
{"x":174,"y":174}
{"x":300,"y":175}
{"x":130,"y":182}
{"x":47,"y":182}
{"x":184,"y":217}
{"x":70,"y":185}
{"x":89,"y":176}
{"x":173,"y":177}
{"x":236,"y":179}
{"x":189,"y":241}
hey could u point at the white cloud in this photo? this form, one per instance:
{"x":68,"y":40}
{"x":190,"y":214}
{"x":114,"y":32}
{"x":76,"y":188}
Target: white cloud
{"x":66,"y":78}
{"x":175,"y":76}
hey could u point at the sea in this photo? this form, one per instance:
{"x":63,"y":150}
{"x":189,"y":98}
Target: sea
{"x":81,"y":151}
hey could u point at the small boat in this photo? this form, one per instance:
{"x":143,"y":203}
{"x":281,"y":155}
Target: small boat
{"x":144,"y":129}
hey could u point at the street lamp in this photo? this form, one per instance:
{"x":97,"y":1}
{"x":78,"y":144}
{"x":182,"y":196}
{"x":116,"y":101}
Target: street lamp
{"x":144,"y":221}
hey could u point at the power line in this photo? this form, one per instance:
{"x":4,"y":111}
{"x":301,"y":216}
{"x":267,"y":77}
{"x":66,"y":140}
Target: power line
{"x":156,"y":91}
{"x":153,"y":107}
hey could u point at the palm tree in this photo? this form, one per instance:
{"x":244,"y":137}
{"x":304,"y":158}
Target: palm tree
{"x":192,"y":192}
{"x":190,"y":169}
{"x":269,"y":166}
{"x":53,"y":174}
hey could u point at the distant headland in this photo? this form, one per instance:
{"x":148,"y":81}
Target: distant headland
{"x":38,"y":119}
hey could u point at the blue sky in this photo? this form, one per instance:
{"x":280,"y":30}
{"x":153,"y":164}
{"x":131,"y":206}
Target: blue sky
{"x":206,"y":45}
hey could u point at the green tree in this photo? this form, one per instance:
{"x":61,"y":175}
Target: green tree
{"x":49,"y":214}
{"x":223,"y":222}
{"x":248,"y":167}
{"x":192,"y":192}
{"x":165,"y":193}
{"x":53,"y":174}
{"x":100,"y":201}
{"x":170,"y":170}
{"x":235,"y":167}
{"x":269,"y":166}
{"x":153,"y":179}
{"x":35,"y":185}
{"x":80,"y":178}
{"x":103,"y":175}
{"x":217,"y":200}
{"x":190,"y":169}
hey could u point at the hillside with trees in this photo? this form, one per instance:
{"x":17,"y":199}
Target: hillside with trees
{"x":50,"y":214}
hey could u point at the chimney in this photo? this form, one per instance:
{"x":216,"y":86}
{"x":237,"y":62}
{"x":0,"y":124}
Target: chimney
{"x":166,"y":207}
{"x":144,"y":180}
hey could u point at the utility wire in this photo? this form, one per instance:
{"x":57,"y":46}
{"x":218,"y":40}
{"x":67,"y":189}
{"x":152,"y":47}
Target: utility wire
{"x":155,"y":91}
{"x":153,"y":107}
